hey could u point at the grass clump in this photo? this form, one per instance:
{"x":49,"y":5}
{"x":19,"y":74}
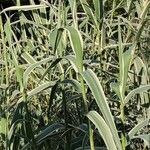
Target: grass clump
{"x":75,"y":75}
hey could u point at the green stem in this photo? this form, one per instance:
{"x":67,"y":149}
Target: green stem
{"x":123,"y":138}
{"x":90,"y":130}
{"x":91,"y":136}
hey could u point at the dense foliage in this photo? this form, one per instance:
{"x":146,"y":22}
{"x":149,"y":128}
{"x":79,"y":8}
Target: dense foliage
{"x":75,"y":75}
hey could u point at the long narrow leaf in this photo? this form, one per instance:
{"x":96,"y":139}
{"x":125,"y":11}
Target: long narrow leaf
{"x":139,"y":126}
{"x":77,"y":46}
{"x":98,"y":93}
{"x":24,"y":8}
{"x":103,"y":129}
{"x":136,"y":91}
{"x":33,"y":66}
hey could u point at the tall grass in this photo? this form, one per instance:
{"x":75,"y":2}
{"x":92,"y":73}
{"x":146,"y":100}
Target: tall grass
{"x":75,"y":75}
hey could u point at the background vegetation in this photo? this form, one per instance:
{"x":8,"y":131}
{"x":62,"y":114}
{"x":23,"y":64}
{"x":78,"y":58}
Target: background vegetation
{"x":75,"y":75}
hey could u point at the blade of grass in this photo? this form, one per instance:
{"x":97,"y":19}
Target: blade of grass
{"x":103,"y":129}
{"x":98,"y":93}
{"x":77,"y":46}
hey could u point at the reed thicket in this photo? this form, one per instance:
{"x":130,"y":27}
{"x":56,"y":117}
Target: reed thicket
{"x":75,"y":76}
